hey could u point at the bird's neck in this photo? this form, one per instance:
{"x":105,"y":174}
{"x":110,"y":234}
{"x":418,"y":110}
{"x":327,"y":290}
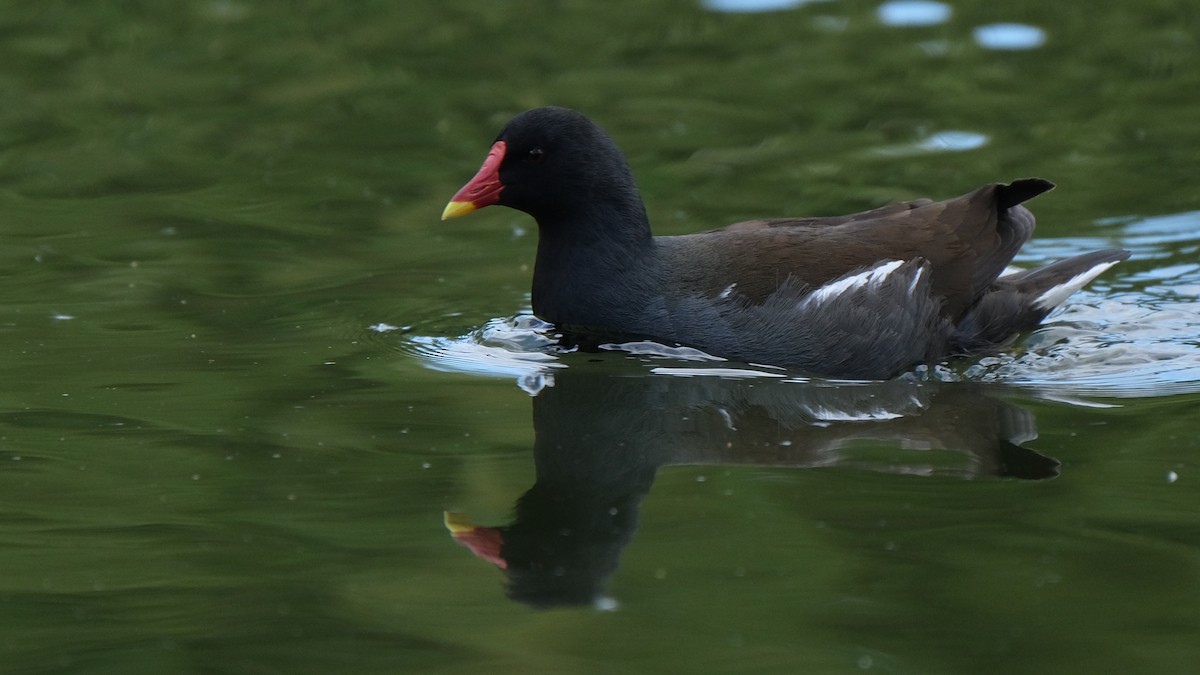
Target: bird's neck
{"x":596,"y":267}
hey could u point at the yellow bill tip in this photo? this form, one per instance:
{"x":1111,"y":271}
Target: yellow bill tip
{"x":456,"y":209}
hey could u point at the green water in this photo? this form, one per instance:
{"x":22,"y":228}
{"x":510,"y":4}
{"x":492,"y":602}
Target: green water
{"x":245,"y":368}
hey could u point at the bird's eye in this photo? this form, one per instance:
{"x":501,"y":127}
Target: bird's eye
{"x":536,"y":155}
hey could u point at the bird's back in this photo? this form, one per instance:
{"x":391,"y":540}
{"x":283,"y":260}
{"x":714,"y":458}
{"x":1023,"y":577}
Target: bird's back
{"x":967,"y":241}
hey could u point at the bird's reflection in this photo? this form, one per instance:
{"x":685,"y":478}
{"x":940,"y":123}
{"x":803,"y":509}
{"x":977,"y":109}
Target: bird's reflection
{"x":600,"y":438}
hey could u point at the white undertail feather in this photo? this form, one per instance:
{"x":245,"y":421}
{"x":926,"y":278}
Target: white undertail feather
{"x":872,"y":277}
{"x":1057,"y":295}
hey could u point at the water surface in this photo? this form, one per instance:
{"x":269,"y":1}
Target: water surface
{"x":247,"y":371}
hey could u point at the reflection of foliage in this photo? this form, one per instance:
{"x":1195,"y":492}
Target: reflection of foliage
{"x":213,"y":467}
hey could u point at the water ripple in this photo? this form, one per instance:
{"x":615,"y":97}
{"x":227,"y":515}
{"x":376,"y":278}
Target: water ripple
{"x":1132,"y":333}
{"x":942,"y":141}
{"x":523,"y":347}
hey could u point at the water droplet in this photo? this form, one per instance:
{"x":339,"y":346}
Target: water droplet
{"x":746,"y":6}
{"x":607,"y":604}
{"x":1009,"y":36}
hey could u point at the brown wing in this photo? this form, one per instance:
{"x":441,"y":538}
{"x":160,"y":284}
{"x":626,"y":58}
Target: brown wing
{"x":968,"y":241}
{"x":824,"y":221}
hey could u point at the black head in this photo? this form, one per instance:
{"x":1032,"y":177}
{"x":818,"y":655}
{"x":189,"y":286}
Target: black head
{"x":552,"y":163}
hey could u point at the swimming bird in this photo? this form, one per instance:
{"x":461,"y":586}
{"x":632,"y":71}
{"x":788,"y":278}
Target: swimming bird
{"x":862,"y":296}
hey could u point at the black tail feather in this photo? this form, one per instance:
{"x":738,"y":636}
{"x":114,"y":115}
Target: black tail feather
{"x":1019,"y":191}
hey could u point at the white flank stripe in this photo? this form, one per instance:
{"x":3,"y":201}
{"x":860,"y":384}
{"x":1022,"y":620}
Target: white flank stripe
{"x":1057,"y":295}
{"x":874,"y":276}
{"x":912,"y":285}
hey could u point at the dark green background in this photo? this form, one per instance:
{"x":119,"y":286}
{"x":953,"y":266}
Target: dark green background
{"x":209,"y":463}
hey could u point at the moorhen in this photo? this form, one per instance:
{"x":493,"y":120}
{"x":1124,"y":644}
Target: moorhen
{"x":861,"y":296}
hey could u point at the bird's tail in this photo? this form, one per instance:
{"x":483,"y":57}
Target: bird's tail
{"x":1019,"y":302}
